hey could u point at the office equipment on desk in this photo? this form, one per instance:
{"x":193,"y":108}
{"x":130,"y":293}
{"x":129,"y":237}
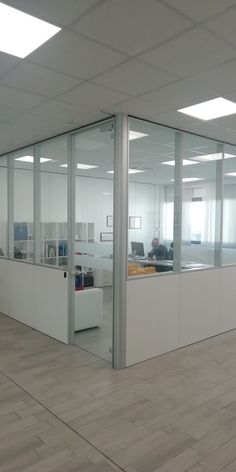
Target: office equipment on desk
{"x":137,"y":249}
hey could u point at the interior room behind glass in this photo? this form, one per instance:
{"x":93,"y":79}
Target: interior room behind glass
{"x":151,"y":191}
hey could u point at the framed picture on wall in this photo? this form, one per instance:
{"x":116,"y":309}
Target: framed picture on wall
{"x":105,"y":237}
{"x":110,"y":221}
{"x":135,"y":222}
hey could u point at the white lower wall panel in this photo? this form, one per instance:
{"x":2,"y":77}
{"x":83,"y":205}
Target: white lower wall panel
{"x":36,"y":296}
{"x":152,"y":319}
{"x":228,"y":298}
{"x":200,"y":296}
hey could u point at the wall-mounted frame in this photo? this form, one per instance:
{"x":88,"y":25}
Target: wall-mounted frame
{"x":109,"y":221}
{"x":135,"y":222}
{"x":105,"y":237}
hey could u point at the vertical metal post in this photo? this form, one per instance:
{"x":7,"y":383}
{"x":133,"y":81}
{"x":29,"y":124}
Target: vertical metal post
{"x":71,"y":234}
{"x":120,"y":239}
{"x":37,"y":204}
{"x":10,"y":210}
{"x":219,"y":206}
{"x":178,"y":201}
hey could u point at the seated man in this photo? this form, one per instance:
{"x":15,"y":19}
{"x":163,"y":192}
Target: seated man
{"x":158,"y":250}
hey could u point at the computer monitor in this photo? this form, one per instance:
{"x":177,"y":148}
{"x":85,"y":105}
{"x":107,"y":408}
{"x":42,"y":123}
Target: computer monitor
{"x":137,"y":249}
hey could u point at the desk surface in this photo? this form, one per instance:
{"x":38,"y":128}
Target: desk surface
{"x":167,"y":263}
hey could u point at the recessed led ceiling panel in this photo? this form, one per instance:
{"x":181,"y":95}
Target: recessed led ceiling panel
{"x":31,"y":159}
{"x":210,"y":109}
{"x":186,"y":162}
{"x":20,"y":33}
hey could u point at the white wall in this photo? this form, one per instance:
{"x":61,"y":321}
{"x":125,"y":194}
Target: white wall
{"x":165,"y":312}
{"x":152,"y":318}
{"x":36,"y":296}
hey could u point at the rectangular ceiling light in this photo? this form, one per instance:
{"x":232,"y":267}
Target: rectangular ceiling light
{"x":85,"y":166}
{"x":217,"y":156}
{"x":231,"y":174}
{"x":186,"y":162}
{"x":210,"y":109}
{"x":20,"y":33}
{"x":131,"y":171}
{"x":136,"y":171}
{"x":136,"y":135}
{"x":189,"y":179}
{"x":81,"y":166}
{"x":31,"y":159}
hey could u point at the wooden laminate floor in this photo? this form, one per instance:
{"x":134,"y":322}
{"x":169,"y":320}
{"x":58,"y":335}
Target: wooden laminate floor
{"x":63,"y":410}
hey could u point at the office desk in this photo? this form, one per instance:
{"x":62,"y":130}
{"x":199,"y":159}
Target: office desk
{"x":161,"y":265}
{"x":164,"y":265}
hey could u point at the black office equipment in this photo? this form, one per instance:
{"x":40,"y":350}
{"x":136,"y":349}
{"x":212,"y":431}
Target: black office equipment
{"x":137,"y":249}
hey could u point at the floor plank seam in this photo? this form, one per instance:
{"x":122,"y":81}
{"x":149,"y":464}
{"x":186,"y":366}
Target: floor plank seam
{"x":63,"y":422}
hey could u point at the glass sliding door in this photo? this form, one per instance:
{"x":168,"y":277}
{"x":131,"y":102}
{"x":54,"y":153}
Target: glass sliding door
{"x":93,"y":165}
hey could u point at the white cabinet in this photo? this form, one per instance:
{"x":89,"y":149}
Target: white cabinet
{"x":102,"y":278}
{"x":88,"y":308}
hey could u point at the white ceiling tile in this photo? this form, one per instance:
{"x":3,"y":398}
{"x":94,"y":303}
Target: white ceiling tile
{"x":72,"y":54}
{"x":226,"y":122}
{"x":134,"y":78}
{"x":224,"y":25}
{"x":56,"y":112}
{"x":172,"y":118}
{"x":191,"y":52}
{"x":93,"y":96}
{"x":220,"y":79}
{"x":178,"y":95}
{"x":59,"y":12}
{"x":91,"y":119}
{"x":137,"y":108}
{"x":204,"y":129}
{"x":199,"y":10}
{"x":23,"y":131}
{"x":18,"y":100}
{"x":7,"y":62}
{"x":39,"y":80}
{"x":7,"y":114}
{"x":131,"y":26}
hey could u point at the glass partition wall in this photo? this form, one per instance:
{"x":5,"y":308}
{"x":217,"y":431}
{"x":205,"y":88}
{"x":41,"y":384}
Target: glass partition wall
{"x":199,"y":176}
{"x":229,"y":206}
{"x":3,"y":208}
{"x":175,"y":188}
{"x":151,"y":198}
{"x":21,"y":168}
{"x":93,"y":162}
{"x":53,"y":165}
{"x":181,"y":198}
